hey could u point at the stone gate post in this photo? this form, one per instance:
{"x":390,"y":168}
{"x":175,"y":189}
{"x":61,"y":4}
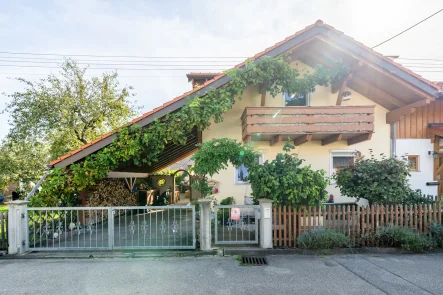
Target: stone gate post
{"x":265,"y":223}
{"x":17,"y":226}
{"x":205,"y":224}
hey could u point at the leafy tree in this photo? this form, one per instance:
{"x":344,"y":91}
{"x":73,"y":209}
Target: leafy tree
{"x":283,"y":179}
{"x":68,"y":110}
{"x":380,"y":181}
{"x":21,"y":163}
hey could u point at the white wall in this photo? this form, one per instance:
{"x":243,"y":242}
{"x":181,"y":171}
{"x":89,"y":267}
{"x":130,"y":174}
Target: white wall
{"x":420,"y":147}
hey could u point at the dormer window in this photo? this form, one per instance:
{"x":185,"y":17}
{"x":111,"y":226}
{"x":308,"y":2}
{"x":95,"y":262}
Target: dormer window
{"x":297,"y":99}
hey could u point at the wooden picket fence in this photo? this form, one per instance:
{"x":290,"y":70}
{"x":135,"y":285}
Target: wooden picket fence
{"x":4,"y":230}
{"x":351,"y":220}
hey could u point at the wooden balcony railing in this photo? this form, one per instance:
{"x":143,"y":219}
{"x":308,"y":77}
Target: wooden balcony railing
{"x":345,"y":122}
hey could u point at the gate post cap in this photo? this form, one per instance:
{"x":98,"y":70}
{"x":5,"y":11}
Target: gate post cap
{"x":265,"y":201}
{"x":204,"y":201}
{"x":17,"y":202}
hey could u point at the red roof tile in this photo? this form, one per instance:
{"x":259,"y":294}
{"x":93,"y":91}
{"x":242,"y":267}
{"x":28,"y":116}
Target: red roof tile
{"x":317,"y":23}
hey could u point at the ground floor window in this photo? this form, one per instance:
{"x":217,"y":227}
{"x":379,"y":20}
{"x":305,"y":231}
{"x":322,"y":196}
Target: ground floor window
{"x":241,"y":173}
{"x":413,"y":163}
{"x":341,"y":159}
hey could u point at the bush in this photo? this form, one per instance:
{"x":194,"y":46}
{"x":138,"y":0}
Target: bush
{"x":394,"y":236}
{"x":383,"y":181}
{"x":417,"y":243}
{"x":323,"y":239}
{"x":437,"y":233}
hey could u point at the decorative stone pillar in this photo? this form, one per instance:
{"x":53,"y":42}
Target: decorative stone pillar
{"x":266,"y":223}
{"x":205,"y":224}
{"x":17,"y":226}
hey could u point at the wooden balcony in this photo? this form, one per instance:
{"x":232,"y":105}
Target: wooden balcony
{"x":301,"y":124}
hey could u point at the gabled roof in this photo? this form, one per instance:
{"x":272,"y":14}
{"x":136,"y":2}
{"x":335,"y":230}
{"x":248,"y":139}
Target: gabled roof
{"x":318,"y":28}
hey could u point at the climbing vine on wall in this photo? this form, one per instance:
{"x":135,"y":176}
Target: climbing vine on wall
{"x":284,"y":179}
{"x":142,"y":146}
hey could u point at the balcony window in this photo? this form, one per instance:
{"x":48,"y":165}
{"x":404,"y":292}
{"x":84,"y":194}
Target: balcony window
{"x":297,"y":99}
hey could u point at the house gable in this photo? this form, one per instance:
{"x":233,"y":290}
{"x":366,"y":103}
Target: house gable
{"x":295,"y":43}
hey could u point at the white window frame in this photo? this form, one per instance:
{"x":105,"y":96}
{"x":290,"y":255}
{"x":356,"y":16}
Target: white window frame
{"x":239,"y":182}
{"x":308,"y":98}
{"x":338,"y":153}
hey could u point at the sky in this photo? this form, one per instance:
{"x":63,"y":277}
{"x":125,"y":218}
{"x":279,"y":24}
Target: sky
{"x":224,"y":31}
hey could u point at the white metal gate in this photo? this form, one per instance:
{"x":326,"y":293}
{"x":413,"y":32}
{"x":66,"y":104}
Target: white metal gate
{"x":236,"y":224}
{"x":108,"y":228}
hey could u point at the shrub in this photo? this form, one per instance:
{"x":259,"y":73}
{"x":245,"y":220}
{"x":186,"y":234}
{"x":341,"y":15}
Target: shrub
{"x":417,"y":243}
{"x":389,"y":236}
{"x":323,"y":239}
{"x":437,"y":233}
{"x":394,"y":236}
{"x":383,"y":181}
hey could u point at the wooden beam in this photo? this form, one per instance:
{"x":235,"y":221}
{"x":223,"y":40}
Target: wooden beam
{"x":375,"y":67}
{"x":355,"y":68}
{"x":276,"y":139}
{"x":394,"y":116}
{"x":247,"y":139}
{"x":263,"y":99}
{"x":374,"y":93}
{"x":331,"y":139}
{"x":302,"y":139}
{"x":359,"y":138}
{"x":342,"y":89}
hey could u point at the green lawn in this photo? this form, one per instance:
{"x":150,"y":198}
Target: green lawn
{"x":3,"y":208}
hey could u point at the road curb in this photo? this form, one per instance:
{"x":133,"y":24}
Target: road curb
{"x":344,"y":251}
{"x":112,"y":254}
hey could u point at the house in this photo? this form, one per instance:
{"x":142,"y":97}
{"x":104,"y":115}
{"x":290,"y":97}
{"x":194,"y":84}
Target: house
{"x":368,"y":110}
{"x":417,"y":136}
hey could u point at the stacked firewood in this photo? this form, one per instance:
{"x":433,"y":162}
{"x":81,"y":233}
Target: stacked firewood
{"x":111,"y":193}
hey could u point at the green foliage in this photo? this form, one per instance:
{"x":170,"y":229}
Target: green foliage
{"x":322,"y":239}
{"x":395,"y":236}
{"x":283,"y":179}
{"x":417,"y":243}
{"x":143,"y":146}
{"x":437,"y":233}
{"x":286,"y":181}
{"x":21,"y":163}
{"x":224,"y":213}
{"x":69,"y":110}
{"x":380,"y":181}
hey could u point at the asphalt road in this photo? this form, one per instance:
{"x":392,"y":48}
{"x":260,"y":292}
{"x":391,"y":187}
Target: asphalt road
{"x":342,"y":274}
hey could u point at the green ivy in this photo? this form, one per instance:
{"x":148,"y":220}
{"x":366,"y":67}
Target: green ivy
{"x":284,"y":179}
{"x":142,"y":146}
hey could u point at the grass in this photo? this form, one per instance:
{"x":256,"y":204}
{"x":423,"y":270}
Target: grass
{"x":3,"y":208}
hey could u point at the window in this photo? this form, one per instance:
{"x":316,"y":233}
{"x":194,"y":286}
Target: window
{"x":241,"y":173}
{"x":341,"y":159}
{"x":413,"y":163}
{"x":297,"y":99}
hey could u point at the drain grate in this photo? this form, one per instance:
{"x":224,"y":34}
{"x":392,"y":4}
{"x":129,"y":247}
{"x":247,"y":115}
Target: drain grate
{"x":254,"y":260}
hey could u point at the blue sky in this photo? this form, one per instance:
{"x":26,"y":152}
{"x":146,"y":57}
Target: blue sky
{"x":198,"y":28}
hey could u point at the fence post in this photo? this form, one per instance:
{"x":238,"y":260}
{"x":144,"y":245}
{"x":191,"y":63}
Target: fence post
{"x":265,"y":223}
{"x":205,"y":224}
{"x":17,"y":226}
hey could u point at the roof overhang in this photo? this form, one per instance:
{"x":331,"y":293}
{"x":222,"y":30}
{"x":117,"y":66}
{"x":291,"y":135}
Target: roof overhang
{"x":318,"y":29}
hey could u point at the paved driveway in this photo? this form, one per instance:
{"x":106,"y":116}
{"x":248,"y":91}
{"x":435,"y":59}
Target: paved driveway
{"x":344,"y":274}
